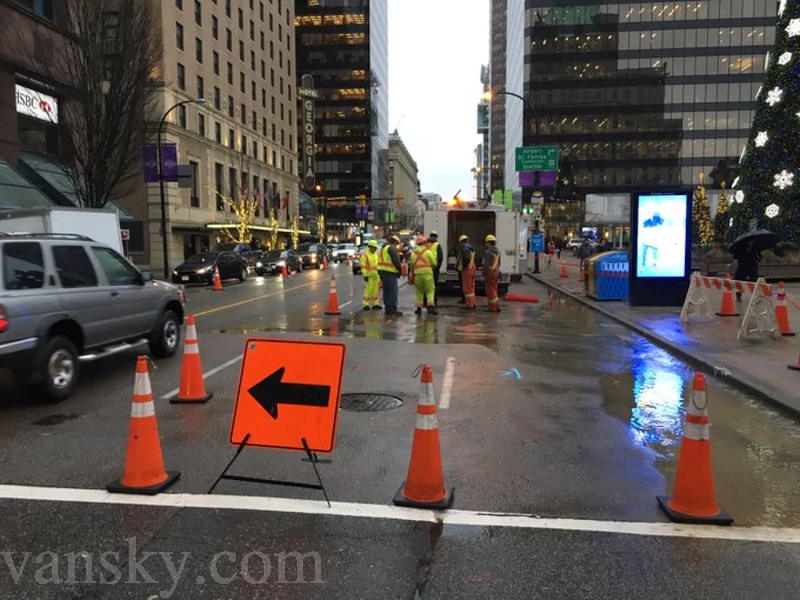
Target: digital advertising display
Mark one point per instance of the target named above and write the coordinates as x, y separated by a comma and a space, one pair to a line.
662, 221
660, 250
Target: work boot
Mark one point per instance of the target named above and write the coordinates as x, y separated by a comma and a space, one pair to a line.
432, 311
418, 311
367, 308
377, 307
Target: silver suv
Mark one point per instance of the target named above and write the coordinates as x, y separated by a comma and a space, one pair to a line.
66, 299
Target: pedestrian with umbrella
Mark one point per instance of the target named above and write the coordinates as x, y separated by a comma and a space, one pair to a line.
747, 249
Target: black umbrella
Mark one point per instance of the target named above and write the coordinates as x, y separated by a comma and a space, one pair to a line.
761, 238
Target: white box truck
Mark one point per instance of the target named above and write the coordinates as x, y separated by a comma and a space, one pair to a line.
468, 218
99, 225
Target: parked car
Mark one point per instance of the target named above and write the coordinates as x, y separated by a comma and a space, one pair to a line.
312, 255
343, 252
356, 262
272, 262
200, 268
66, 299
252, 257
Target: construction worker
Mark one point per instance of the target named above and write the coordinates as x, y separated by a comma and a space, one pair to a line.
389, 269
436, 248
421, 274
466, 271
491, 273
369, 265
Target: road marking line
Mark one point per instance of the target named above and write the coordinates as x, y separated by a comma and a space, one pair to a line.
386, 511
343, 304
447, 383
206, 375
256, 298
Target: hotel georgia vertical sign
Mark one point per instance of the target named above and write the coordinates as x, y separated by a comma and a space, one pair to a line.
307, 94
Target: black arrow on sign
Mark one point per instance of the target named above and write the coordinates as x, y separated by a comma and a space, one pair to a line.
271, 391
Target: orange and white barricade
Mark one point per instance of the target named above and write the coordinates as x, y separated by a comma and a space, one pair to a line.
760, 314
696, 303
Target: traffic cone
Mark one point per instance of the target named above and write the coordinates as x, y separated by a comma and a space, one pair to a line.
324, 262
564, 273
192, 389
284, 271
333, 299
404, 269
693, 499
424, 486
582, 275
726, 309
347, 259
144, 464
217, 280
781, 312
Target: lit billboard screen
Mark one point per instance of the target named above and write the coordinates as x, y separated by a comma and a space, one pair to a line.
661, 233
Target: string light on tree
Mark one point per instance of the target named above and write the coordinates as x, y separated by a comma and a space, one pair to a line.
785, 58
793, 28
781, 8
761, 139
784, 179
774, 96
772, 210
739, 196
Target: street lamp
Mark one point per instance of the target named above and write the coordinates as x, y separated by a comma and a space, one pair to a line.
487, 96
318, 189
164, 247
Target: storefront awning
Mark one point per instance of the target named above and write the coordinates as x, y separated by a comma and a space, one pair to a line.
17, 192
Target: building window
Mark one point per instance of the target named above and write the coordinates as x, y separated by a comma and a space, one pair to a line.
273, 132
290, 120
253, 94
200, 87
242, 86
261, 11
252, 31
281, 85
215, 60
289, 92
289, 67
281, 111
272, 51
263, 98
198, 13
264, 159
255, 121
230, 106
179, 36
219, 185
283, 137
280, 33
181, 77
243, 114
270, 23
198, 50
217, 132
182, 116
201, 124
291, 166
263, 46
194, 198
264, 126
252, 61
280, 58
273, 104
215, 27
228, 8
274, 158
230, 74
283, 162
178, 4
217, 98
232, 184
231, 139
263, 70
229, 40
241, 19
241, 50
291, 143
272, 77
244, 144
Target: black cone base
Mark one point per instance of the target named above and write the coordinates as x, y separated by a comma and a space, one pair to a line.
201, 400
728, 314
722, 518
400, 500
116, 487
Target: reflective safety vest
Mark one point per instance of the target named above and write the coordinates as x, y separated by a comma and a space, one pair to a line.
464, 252
434, 246
385, 261
422, 260
493, 254
369, 262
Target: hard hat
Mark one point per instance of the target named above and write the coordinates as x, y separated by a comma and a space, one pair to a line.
490, 238
433, 234
463, 238
422, 239
372, 244
395, 239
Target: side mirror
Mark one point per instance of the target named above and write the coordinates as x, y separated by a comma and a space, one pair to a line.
147, 276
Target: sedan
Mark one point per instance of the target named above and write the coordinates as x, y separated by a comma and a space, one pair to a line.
200, 268
272, 262
312, 255
356, 263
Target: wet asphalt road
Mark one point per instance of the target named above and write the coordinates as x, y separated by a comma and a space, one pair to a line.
554, 412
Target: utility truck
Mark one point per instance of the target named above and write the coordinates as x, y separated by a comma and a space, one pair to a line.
99, 225
470, 218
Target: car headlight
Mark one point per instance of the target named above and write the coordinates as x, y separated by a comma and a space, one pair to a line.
281, 263
203, 271
175, 273
259, 264
313, 255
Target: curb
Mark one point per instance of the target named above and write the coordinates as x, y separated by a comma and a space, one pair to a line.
783, 402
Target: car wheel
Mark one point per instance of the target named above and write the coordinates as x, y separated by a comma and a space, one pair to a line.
243, 274
166, 336
58, 371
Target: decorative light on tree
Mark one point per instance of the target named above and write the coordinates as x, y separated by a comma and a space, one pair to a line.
785, 58
739, 196
793, 28
781, 8
772, 210
774, 96
784, 179
761, 139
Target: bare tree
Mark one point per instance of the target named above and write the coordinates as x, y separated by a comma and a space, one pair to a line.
111, 55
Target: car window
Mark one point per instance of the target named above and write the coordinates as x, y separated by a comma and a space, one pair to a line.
118, 271
74, 268
285, 254
23, 266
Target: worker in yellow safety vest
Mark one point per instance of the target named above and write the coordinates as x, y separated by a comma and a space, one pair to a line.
436, 248
389, 267
369, 267
421, 275
491, 273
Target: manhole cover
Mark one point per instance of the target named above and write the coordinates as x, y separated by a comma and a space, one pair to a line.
369, 402
56, 419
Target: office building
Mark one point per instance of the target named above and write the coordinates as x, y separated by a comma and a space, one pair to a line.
344, 47
403, 184
643, 96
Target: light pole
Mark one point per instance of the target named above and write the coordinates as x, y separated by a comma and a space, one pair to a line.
164, 247
487, 96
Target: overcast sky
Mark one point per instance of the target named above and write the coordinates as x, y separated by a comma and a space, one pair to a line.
436, 49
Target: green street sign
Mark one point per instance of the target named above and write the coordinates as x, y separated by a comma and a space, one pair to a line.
537, 158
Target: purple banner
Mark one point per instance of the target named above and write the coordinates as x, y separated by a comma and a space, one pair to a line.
546, 178
169, 158
150, 163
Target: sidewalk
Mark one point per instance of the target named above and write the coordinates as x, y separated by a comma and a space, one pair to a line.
758, 365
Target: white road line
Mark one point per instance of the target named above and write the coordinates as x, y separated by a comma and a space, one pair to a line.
447, 383
206, 375
343, 304
395, 513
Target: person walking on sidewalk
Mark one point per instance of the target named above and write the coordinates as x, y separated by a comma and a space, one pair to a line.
747, 260
491, 273
369, 265
389, 269
421, 275
436, 248
466, 271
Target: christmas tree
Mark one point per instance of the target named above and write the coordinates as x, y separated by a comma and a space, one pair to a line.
702, 229
722, 217
768, 189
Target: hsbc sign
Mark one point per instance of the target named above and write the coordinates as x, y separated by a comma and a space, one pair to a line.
36, 104
307, 94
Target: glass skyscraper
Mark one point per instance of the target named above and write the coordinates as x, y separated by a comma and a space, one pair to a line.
645, 95
343, 45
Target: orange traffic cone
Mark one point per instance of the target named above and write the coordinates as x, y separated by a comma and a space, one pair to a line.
217, 280
404, 269
347, 259
144, 464
781, 312
582, 275
564, 273
424, 487
693, 499
192, 389
284, 271
333, 299
726, 309
324, 262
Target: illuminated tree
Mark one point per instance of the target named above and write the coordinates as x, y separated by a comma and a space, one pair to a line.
273, 230
321, 225
722, 217
767, 194
295, 231
243, 208
702, 229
